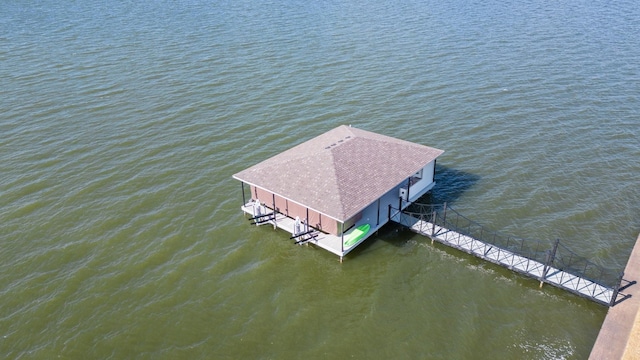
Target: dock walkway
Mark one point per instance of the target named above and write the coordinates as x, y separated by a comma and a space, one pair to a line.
544, 271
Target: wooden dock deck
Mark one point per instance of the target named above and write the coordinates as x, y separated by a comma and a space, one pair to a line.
329, 242
375, 216
537, 270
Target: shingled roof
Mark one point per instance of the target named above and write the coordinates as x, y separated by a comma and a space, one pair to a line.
340, 172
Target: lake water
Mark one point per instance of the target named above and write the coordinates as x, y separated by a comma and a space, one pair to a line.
121, 234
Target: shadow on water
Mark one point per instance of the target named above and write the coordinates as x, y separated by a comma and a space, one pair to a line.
389, 233
451, 184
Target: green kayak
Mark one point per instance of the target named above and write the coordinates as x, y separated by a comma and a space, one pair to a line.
356, 234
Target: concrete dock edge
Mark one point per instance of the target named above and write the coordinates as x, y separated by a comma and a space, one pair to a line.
619, 336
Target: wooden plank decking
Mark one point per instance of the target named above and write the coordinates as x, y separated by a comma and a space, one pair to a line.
508, 259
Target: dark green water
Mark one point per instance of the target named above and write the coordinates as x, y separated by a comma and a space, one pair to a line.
121, 124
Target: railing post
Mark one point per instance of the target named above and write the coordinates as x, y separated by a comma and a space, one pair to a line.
584, 271
444, 216
551, 254
568, 266
433, 223
595, 282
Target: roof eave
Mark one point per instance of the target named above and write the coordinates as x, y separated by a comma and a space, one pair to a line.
288, 199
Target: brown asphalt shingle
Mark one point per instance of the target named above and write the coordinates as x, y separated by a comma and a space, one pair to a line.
340, 172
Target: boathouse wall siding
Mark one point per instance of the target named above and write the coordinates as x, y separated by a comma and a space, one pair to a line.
292, 209
330, 225
351, 222
427, 178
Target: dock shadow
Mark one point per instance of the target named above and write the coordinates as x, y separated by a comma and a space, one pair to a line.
621, 296
627, 285
451, 184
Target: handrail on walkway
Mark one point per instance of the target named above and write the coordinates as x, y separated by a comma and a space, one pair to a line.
552, 255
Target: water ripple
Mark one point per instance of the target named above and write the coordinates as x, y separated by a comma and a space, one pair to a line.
121, 125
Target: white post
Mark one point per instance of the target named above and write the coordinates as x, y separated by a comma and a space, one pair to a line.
296, 226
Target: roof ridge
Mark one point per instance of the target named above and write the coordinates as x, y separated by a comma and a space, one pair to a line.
336, 181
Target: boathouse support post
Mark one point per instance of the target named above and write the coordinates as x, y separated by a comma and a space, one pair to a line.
551, 254
378, 217
244, 201
434, 170
273, 197
408, 190
341, 239
307, 225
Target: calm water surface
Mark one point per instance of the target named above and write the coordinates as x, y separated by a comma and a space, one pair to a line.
121, 125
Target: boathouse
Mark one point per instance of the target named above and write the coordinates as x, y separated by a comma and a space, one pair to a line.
336, 189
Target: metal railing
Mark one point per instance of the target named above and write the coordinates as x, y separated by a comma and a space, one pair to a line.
552, 254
